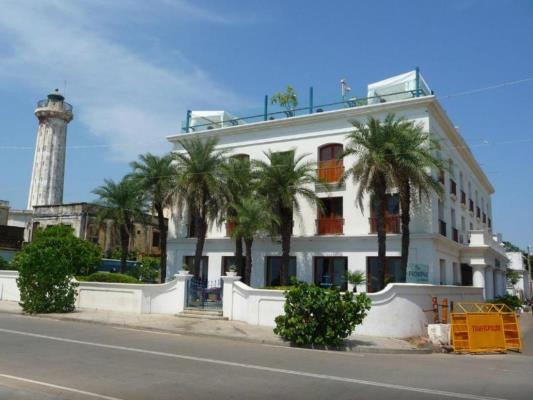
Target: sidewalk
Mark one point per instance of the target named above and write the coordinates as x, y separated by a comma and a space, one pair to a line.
233, 330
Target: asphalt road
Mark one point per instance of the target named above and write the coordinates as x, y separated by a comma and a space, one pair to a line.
47, 359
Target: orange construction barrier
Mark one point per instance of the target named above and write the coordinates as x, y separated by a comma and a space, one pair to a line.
484, 328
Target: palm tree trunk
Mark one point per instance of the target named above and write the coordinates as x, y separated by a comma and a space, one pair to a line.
163, 232
248, 263
286, 233
380, 195
201, 231
124, 247
405, 205
238, 256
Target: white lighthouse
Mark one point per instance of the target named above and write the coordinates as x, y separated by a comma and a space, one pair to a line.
48, 174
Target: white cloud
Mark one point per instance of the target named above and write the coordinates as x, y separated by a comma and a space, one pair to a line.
120, 96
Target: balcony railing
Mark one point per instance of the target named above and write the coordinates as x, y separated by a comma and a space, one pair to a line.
471, 205
61, 105
11, 237
442, 227
463, 197
392, 224
330, 171
330, 226
310, 109
453, 187
455, 235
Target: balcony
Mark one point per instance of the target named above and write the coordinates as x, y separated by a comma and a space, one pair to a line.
442, 227
453, 188
11, 237
471, 205
230, 226
455, 235
330, 171
463, 198
59, 105
330, 226
392, 224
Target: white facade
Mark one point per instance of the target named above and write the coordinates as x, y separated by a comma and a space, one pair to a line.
465, 253
522, 288
49, 162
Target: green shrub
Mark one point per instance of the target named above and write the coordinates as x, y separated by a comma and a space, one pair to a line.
316, 316
46, 268
512, 301
288, 287
110, 278
147, 270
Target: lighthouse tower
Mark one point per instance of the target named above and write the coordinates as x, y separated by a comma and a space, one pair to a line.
48, 174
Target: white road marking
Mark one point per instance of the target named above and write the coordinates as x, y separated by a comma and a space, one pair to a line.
63, 388
261, 367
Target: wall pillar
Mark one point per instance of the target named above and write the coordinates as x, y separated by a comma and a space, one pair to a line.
478, 277
489, 283
227, 295
498, 287
182, 286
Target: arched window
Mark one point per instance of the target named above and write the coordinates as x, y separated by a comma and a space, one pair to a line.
330, 165
241, 156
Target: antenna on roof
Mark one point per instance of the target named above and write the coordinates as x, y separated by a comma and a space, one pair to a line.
344, 88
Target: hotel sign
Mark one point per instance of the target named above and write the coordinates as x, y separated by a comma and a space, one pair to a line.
417, 273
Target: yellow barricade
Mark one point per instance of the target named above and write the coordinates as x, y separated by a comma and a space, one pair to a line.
484, 327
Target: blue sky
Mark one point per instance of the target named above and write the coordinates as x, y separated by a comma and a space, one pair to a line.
132, 68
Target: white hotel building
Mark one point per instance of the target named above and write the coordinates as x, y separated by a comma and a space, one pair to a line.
451, 238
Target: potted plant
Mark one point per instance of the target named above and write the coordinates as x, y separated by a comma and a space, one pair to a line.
184, 270
287, 100
232, 271
355, 278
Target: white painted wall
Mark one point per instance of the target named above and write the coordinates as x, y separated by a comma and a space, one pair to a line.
400, 310
9, 290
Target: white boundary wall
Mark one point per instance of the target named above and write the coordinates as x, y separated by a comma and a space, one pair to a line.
166, 298
397, 311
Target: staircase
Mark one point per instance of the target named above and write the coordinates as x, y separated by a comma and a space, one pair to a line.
201, 313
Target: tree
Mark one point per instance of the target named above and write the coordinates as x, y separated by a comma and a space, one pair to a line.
124, 203
200, 184
513, 276
284, 180
48, 264
412, 162
287, 100
253, 216
156, 177
373, 148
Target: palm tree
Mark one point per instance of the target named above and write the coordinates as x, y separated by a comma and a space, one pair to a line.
240, 181
412, 163
374, 149
124, 203
201, 185
253, 217
284, 180
155, 176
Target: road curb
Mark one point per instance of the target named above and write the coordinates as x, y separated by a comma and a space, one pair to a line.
342, 349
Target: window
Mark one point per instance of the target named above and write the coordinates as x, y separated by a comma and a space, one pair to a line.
330, 221
330, 165
191, 226
273, 270
156, 239
241, 156
443, 272
227, 261
393, 273
331, 272
202, 272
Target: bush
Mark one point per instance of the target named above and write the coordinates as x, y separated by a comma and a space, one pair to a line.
109, 277
512, 301
316, 316
46, 268
147, 270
